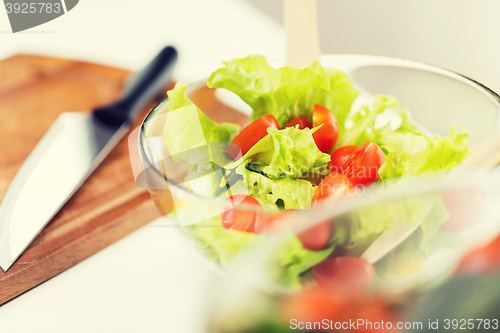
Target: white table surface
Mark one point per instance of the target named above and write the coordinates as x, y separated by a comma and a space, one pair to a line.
145, 282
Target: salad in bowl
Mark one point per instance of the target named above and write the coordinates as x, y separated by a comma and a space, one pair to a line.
239, 307
308, 149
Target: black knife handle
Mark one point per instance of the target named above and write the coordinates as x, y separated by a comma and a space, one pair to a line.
143, 87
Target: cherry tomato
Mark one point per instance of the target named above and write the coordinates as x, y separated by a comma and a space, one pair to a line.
466, 207
243, 220
340, 156
301, 121
313, 238
327, 135
485, 259
374, 310
316, 237
362, 167
330, 188
313, 305
344, 277
250, 135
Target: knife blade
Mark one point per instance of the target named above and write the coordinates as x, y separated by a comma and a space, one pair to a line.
66, 156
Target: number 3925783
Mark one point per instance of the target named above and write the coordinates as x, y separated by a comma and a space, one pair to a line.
33, 8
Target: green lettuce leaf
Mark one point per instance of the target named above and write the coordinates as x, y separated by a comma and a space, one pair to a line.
286, 192
219, 244
358, 229
338, 99
427, 240
268, 90
444, 154
204, 178
364, 120
188, 131
290, 260
414, 155
407, 124
289, 152
286, 263
409, 153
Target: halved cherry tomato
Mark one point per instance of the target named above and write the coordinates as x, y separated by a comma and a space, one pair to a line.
375, 310
327, 135
340, 156
250, 135
243, 220
316, 237
344, 277
314, 304
330, 188
301, 121
362, 167
485, 259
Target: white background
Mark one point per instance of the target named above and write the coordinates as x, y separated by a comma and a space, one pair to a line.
147, 282
461, 35
128, 32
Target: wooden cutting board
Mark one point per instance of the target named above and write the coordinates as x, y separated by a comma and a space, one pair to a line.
34, 90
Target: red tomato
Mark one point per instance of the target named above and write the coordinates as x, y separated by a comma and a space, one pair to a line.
243, 220
301, 121
482, 260
362, 167
327, 135
315, 238
250, 135
331, 187
313, 305
345, 277
340, 156
374, 310
466, 207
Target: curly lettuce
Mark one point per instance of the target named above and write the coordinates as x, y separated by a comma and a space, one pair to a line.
286, 263
286, 193
415, 154
364, 121
428, 239
271, 170
286, 153
286, 92
188, 132
338, 99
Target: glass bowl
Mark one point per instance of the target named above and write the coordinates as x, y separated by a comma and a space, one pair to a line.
437, 99
239, 307
425, 258
452, 284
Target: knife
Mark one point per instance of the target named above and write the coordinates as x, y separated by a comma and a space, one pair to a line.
66, 156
